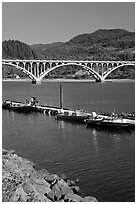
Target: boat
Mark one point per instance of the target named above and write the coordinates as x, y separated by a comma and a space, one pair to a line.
112, 121
17, 106
26, 107
73, 115
128, 115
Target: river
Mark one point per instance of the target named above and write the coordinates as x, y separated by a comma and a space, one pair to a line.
102, 160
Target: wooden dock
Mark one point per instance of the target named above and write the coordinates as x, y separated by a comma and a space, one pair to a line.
23, 107
50, 110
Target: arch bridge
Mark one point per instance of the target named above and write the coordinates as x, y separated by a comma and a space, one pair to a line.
38, 69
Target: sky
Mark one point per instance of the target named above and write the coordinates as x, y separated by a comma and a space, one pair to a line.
49, 22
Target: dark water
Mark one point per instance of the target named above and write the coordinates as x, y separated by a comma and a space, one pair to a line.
104, 161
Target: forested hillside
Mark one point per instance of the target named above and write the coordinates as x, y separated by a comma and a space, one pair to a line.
113, 44
14, 49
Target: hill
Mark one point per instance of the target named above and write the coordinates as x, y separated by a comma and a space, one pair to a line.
113, 44
14, 49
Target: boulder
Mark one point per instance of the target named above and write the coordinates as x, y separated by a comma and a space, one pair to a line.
41, 198
21, 183
71, 182
40, 185
28, 188
9, 165
73, 198
11, 151
63, 176
42, 189
75, 189
89, 199
19, 195
54, 195
41, 173
4, 151
50, 178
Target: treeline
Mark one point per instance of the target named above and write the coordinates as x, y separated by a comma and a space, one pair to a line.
14, 49
113, 44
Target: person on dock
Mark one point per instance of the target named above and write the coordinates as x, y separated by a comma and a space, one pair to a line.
33, 101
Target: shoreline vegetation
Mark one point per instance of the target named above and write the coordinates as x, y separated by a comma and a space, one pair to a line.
70, 80
22, 183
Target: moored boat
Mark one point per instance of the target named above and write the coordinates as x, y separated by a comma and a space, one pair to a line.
71, 115
112, 121
27, 107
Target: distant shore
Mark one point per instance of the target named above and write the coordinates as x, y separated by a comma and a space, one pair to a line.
69, 80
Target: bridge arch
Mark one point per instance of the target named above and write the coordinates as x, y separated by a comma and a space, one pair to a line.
31, 76
114, 68
95, 74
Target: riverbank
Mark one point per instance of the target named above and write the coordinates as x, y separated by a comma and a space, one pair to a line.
70, 80
22, 183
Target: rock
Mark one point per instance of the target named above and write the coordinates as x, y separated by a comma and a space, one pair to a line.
77, 180
63, 176
71, 183
89, 199
41, 173
40, 185
19, 195
39, 181
32, 164
8, 188
54, 195
75, 189
11, 151
59, 190
28, 188
41, 198
50, 178
73, 198
22, 183
4, 151
9, 165
42, 189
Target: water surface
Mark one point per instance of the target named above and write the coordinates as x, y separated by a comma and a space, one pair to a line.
103, 160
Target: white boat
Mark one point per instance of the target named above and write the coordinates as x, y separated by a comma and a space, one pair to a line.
112, 121
73, 115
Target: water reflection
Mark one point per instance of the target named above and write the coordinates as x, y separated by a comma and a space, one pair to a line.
95, 141
61, 125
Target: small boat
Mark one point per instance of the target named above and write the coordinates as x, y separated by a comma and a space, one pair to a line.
128, 115
19, 106
73, 115
112, 121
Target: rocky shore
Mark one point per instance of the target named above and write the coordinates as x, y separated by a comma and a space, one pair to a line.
22, 183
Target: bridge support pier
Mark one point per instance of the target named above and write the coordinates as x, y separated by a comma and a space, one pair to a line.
98, 80
102, 80
36, 82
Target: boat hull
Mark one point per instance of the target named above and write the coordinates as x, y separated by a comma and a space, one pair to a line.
109, 124
25, 109
72, 118
18, 107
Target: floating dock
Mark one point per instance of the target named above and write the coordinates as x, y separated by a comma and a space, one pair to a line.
23, 107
